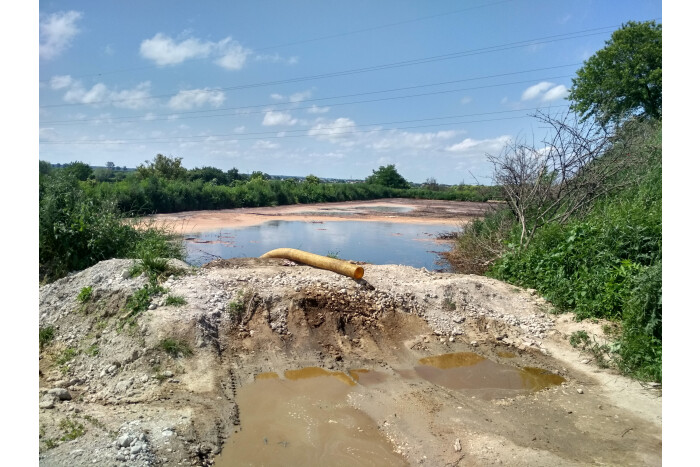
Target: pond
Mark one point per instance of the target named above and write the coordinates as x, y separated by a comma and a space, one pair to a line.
372, 242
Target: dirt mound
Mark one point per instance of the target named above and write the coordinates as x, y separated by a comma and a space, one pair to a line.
165, 389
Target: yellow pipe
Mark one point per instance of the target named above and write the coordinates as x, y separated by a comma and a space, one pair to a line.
341, 267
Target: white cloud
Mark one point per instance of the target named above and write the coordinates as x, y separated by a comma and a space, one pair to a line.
78, 94
264, 144
233, 54
163, 50
61, 82
277, 97
466, 100
56, 33
404, 140
338, 130
276, 58
536, 90
196, 98
134, 98
299, 96
318, 110
557, 92
479, 147
48, 134
278, 118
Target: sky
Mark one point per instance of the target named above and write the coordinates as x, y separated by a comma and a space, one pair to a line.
334, 89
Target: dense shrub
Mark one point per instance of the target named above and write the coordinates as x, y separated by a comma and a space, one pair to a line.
77, 230
605, 263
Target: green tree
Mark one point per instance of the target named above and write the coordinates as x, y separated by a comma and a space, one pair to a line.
623, 78
162, 167
312, 179
208, 174
45, 168
79, 170
387, 176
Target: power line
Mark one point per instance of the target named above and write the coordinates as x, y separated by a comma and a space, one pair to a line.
290, 105
315, 39
340, 104
304, 131
449, 56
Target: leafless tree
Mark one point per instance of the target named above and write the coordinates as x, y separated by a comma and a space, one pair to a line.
561, 176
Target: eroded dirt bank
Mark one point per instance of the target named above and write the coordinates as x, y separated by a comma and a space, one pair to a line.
138, 405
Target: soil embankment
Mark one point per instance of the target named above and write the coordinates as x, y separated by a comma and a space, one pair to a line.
124, 400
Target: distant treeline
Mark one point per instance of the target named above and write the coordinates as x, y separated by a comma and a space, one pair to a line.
164, 186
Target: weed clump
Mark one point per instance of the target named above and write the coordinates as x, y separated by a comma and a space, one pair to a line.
71, 429
175, 300
175, 347
85, 294
46, 335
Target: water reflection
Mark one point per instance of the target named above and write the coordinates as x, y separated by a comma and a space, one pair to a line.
372, 242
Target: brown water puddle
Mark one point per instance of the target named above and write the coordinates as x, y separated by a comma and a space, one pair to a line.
466, 370
368, 377
304, 420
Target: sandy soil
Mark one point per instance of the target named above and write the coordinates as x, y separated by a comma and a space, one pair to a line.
141, 406
424, 212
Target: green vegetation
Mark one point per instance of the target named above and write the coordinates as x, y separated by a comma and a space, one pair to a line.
77, 230
46, 335
85, 294
584, 228
387, 176
333, 254
175, 300
139, 302
623, 78
603, 262
175, 347
71, 429
67, 355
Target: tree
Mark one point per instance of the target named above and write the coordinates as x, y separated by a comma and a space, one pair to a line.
110, 165
162, 167
45, 168
208, 174
79, 170
387, 176
623, 78
564, 175
312, 179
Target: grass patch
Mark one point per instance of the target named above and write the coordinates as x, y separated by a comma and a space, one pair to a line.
50, 443
85, 294
333, 254
139, 302
175, 347
93, 350
236, 307
67, 355
71, 429
46, 335
175, 300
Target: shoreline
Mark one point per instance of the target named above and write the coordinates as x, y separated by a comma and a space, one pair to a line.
422, 212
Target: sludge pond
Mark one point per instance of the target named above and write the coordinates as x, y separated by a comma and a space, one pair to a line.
374, 242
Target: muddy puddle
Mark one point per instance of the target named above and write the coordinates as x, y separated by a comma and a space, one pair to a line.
305, 418
483, 377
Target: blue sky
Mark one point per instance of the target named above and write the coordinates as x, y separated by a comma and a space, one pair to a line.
330, 88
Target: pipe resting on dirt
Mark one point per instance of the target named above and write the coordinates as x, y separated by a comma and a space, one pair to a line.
341, 267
